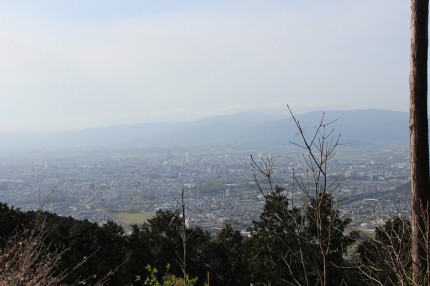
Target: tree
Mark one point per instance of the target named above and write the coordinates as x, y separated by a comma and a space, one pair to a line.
385, 259
162, 236
138, 255
302, 245
226, 258
30, 257
26, 260
325, 226
418, 125
325, 230
275, 251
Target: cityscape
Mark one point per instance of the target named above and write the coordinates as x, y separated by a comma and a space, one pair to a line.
128, 187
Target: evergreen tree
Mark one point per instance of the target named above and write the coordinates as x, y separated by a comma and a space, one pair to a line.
274, 246
285, 247
226, 258
162, 235
325, 233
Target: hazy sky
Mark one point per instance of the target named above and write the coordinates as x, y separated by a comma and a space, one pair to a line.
74, 64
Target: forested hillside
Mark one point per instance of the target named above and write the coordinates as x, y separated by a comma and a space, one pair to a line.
283, 248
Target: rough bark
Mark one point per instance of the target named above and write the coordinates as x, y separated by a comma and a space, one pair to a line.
418, 125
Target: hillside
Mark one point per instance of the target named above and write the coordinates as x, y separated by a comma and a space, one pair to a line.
370, 126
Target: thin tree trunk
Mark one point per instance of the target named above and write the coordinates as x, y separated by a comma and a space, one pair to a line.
418, 125
184, 239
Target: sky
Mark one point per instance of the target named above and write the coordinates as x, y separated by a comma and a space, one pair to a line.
71, 65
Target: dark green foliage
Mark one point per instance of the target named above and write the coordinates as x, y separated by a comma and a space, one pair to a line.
197, 254
387, 257
108, 249
272, 248
329, 237
160, 236
11, 220
287, 248
284, 248
101, 247
226, 257
138, 255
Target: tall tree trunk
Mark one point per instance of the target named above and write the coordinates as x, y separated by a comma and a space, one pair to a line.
184, 239
418, 125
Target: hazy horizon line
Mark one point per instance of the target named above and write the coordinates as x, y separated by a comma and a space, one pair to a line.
278, 114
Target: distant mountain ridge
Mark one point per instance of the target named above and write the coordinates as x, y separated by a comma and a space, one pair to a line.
369, 126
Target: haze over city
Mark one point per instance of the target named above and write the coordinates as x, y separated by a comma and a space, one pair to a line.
72, 65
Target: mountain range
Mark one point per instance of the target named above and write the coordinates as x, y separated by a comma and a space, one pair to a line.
369, 126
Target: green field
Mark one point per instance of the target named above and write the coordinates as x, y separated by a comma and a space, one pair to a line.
133, 218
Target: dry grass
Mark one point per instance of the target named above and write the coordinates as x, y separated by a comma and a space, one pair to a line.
133, 218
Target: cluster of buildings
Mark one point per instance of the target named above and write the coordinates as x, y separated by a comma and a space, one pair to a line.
218, 184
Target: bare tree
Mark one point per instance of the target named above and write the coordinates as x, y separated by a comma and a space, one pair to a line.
28, 259
318, 151
312, 249
184, 238
25, 260
386, 258
418, 125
